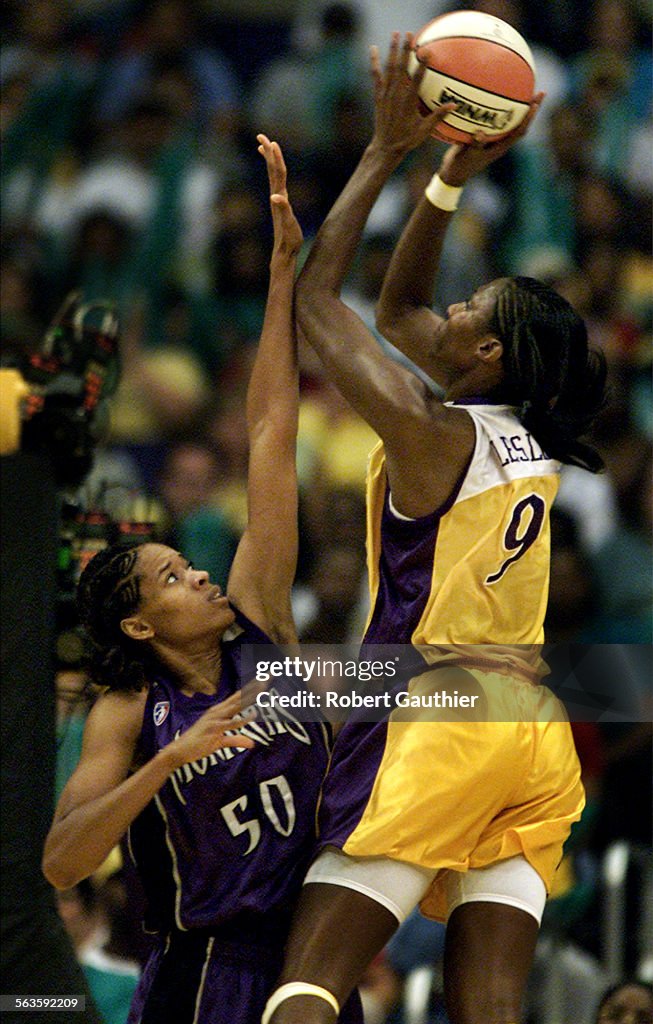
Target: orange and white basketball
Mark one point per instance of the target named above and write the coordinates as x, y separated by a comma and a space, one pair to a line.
479, 62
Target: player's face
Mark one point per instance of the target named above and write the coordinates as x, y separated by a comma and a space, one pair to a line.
465, 328
630, 1004
178, 605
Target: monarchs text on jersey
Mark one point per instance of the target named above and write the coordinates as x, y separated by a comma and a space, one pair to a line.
475, 570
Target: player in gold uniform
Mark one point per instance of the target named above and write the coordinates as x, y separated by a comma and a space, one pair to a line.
465, 815
494, 531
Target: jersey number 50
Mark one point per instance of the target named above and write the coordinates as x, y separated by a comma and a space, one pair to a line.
252, 826
522, 531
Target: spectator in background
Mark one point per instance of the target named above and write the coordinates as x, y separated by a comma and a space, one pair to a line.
339, 69
538, 233
334, 441
317, 97
613, 520
240, 262
639, 166
572, 907
626, 797
364, 285
332, 522
196, 525
98, 25
90, 920
604, 212
226, 430
337, 158
629, 1002
280, 100
611, 287
101, 258
143, 179
299, 95
593, 506
188, 320
337, 588
166, 34
622, 564
21, 316
203, 158
46, 83
573, 600
162, 391
611, 79
73, 704
41, 41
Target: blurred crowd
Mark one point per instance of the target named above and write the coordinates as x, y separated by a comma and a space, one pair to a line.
130, 171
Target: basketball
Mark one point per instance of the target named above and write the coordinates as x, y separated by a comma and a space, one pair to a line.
479, 62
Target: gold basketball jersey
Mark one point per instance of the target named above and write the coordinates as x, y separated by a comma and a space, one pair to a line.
475, 571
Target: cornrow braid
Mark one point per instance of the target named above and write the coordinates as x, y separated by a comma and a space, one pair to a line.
556, 381
109, 591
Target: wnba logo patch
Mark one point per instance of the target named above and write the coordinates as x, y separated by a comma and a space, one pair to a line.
160, 712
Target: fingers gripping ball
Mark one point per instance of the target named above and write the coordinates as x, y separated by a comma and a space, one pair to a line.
479, 62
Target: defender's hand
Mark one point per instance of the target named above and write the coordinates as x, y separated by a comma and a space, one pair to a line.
210, 732
288, 236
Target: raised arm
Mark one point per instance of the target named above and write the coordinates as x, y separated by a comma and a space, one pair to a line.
404, 315
384, 393
264, 565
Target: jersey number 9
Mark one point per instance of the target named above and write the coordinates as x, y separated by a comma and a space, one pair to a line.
522, 531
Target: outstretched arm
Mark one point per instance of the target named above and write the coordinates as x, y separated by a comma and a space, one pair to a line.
379, 389
404, 314
264, 565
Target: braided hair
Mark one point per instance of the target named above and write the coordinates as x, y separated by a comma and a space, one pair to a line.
109, 591
556, 381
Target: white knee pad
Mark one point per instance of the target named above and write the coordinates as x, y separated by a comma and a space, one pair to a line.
512, 881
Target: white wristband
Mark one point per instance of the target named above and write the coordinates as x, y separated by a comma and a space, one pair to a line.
441, 195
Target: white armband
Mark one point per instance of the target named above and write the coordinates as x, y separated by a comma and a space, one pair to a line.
441, 195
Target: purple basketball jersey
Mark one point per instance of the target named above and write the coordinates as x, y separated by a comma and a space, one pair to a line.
233, 833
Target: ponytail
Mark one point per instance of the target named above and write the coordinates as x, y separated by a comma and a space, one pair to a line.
109, 591
556, 382
120, 667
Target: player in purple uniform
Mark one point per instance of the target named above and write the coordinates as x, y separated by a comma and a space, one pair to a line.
220, 807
